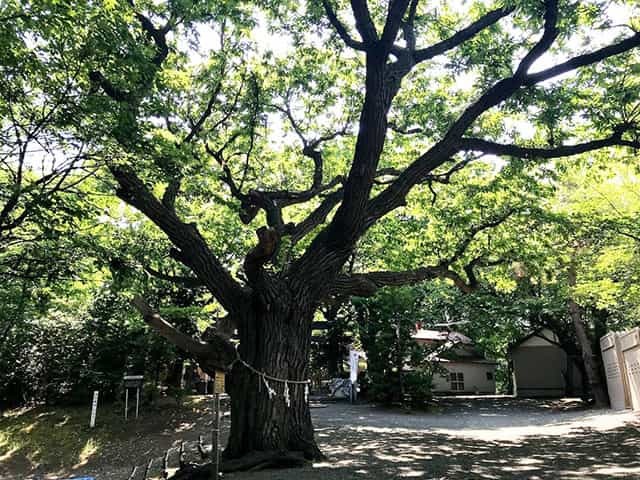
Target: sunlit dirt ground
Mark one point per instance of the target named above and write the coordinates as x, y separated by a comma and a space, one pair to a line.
475, 439
463, 438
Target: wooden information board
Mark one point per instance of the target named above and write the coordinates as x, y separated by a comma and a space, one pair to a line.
218, 382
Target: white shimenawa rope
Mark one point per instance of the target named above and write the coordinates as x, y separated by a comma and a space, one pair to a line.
263, 378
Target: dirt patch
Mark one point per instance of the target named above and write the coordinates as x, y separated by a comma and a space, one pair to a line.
57, 443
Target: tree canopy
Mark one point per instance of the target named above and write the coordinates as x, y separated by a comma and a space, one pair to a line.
366, 144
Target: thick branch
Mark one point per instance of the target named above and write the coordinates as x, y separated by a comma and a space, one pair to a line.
159, 36
463, 35
494, 148
171, 193
317, 216
340, 28
217, 354
192, 248
584, 60
267, 248
109, 88
397, 9
367, 284
364, 23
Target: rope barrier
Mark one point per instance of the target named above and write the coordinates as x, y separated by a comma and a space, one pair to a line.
264, 378
273, 379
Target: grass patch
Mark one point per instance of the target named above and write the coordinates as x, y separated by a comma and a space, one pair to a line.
55, 439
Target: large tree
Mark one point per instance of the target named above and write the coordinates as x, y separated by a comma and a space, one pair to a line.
388, 99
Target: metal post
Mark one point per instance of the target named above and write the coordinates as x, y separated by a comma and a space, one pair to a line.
126, 402
215, 450
137, 400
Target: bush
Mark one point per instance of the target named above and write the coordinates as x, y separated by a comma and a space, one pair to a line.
59, 359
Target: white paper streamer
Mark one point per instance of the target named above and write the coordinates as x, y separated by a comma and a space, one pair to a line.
287, 398
270, 391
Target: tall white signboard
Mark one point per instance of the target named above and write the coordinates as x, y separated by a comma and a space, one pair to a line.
94, 409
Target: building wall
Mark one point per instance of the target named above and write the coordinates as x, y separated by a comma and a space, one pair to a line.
543, 371
474, 378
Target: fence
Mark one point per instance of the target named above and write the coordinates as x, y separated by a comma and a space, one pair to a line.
630, 345
621, 359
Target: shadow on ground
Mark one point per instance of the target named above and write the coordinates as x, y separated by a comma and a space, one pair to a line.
365, 452
372, 443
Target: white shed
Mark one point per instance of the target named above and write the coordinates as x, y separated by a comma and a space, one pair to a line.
467, 370
541, 368
472, 376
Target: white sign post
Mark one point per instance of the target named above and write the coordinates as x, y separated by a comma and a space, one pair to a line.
94, 409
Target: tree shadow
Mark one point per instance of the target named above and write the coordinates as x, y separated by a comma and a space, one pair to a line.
459, 443
585, 453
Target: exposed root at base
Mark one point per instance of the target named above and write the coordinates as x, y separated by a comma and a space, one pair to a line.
250, 462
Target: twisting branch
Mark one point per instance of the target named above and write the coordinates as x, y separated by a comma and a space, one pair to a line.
475, 230
273, 201
310, 150
367, 284
159, 37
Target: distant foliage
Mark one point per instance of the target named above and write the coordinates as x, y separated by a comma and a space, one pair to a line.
398, 371
60, 359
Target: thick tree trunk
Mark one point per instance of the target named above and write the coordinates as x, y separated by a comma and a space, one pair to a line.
600, 396
275, 340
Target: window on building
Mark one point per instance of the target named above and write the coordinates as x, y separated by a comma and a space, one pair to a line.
457, 381
489, 375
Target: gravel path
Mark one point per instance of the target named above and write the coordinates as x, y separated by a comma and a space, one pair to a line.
472, 438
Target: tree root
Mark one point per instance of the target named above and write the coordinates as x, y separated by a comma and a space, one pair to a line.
250, 462
261, 460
